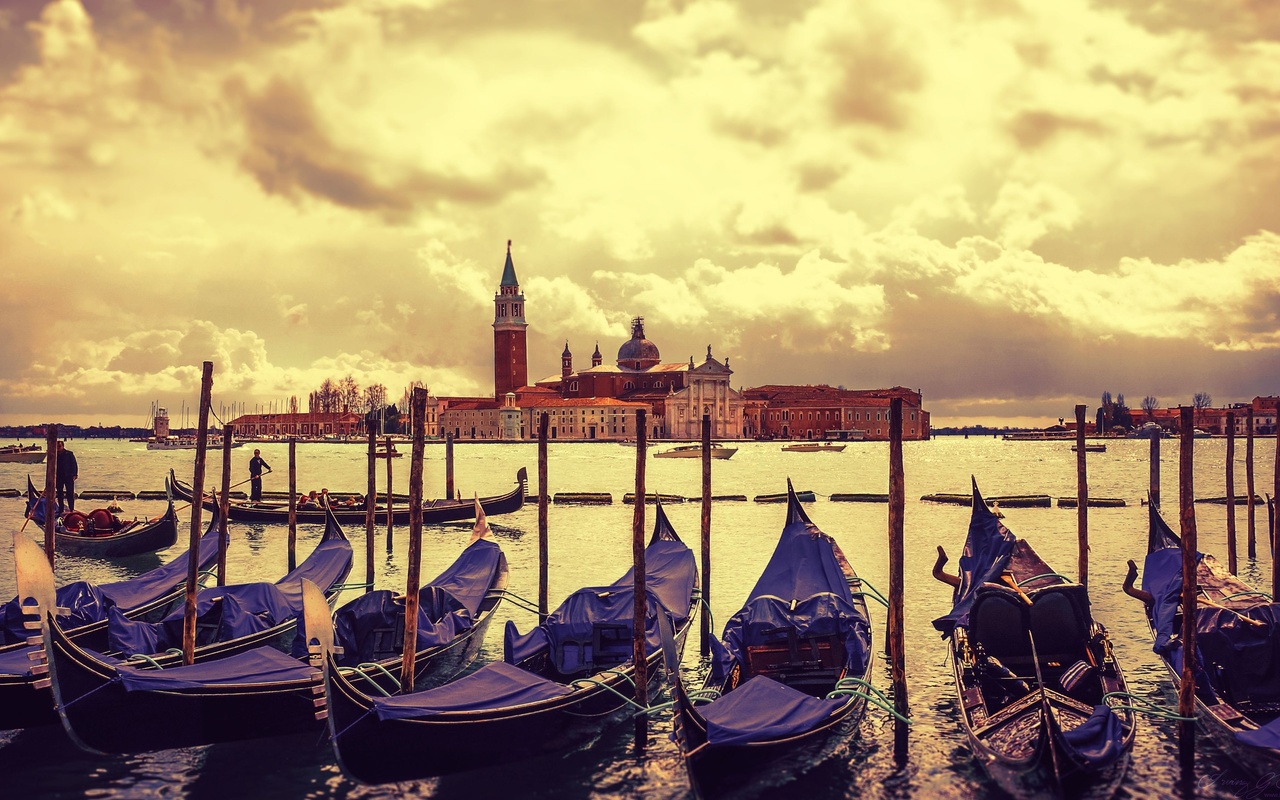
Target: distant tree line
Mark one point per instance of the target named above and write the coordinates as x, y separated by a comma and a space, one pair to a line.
1114, 411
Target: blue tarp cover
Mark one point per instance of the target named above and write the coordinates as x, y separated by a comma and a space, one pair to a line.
367, 628
1268, 736
1162, 577
495, 685
1099, 741
986, 551
804, 589
263, 665
763, 709
569, 632
163, 579
15, 662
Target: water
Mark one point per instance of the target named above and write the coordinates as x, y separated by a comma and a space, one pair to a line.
592, 545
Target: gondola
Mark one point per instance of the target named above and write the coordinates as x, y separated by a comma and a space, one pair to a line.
1040, 693
25, 697
113, 538
788, 678
255, 624
433, 511
555, 687
1237, 641
265, 692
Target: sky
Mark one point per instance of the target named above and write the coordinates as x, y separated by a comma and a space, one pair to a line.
1010, 206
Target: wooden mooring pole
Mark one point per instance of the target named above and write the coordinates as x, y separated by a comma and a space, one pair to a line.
1082, 502
224, 502
418, 404
543, 514
639, 651
1231, 492
1154, 484
707, 633
390, 498
197, 505
1187, 515
1252, 541
896, 623
293, 503
370, 503
50, 490
448, 466
1274, 517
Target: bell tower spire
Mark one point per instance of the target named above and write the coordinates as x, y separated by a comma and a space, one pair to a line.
510, 353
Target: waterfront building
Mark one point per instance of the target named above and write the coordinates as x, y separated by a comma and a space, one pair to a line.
829, 412
305, 424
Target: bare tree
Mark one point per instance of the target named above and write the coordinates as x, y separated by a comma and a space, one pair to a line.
1149, 405
348, 394
1200, 401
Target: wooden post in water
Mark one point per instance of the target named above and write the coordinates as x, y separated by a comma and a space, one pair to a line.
390, 498
448, 466
50, 489
543, 550
1154, 489
639, 651
418, 404
1231, 492
1082, 501
370, 502
224, 503
1275, 517
1186, 502
293, 503
1252, 551
197, 505
707, 633
897, 643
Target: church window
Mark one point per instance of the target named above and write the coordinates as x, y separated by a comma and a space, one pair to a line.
657, 384
628, 386
573, 386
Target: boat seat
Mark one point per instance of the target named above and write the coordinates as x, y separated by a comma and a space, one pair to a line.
809, 663
998, 623
1060, 624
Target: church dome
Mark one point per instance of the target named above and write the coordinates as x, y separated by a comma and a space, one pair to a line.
638, 352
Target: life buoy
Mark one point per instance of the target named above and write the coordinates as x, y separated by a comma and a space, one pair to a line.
74, 521
101, 520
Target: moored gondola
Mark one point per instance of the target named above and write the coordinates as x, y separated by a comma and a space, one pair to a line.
1041, 696
113, 537
555, 687
253, 623
25, 697
1237, 694
789, 678
433, 511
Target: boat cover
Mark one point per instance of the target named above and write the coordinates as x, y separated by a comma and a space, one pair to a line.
261, 665
570, 634
762, 710
495, 685
246, 609
87, 602
802, 588
986, 552
1267, 737
15, 662
1098, 741
1162, 577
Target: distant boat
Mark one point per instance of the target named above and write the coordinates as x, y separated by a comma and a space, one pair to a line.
18, 454
1091, 448
695, 451
1037, 436
814, 447
185, 443
1147, 431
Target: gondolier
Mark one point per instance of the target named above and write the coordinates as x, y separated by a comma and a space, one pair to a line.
256, 465
68, 471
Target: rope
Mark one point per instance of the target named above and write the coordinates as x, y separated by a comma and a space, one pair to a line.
1145, 707
874, 696
356, 722
145, 659
341, 587
516, 600
580, 682
1043, 575
360, 671
879, 595
1246, 594
94, 690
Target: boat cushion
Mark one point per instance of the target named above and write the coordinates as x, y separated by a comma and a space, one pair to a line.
495, 685
998, 622
1060, 623
1098, 741
763, 709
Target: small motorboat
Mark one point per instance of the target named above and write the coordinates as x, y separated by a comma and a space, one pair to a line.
695, 451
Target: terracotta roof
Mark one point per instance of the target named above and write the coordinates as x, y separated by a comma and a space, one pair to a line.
580, 402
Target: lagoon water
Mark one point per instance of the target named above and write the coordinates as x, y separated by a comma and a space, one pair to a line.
591, 545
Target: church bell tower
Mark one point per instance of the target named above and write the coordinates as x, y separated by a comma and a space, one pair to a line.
510, 353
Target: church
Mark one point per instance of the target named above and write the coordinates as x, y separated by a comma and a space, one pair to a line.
595, 403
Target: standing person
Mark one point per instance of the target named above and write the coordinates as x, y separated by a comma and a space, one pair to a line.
68, 471
256, 465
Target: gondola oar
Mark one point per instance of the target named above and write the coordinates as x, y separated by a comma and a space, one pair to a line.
210, 494
1046, 709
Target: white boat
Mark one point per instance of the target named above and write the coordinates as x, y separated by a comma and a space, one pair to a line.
18, 454
813, 447
185, 443
695, 451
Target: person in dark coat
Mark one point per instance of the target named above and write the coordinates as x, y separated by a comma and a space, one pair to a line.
68, 471
256, 465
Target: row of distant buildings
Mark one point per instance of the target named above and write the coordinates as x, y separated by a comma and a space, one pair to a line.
1214, 420
600, 401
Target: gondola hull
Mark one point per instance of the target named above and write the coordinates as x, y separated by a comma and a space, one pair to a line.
137, 538
373, 751
433, 511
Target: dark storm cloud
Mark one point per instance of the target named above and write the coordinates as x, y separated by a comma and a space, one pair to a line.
1032, 129
288, 150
